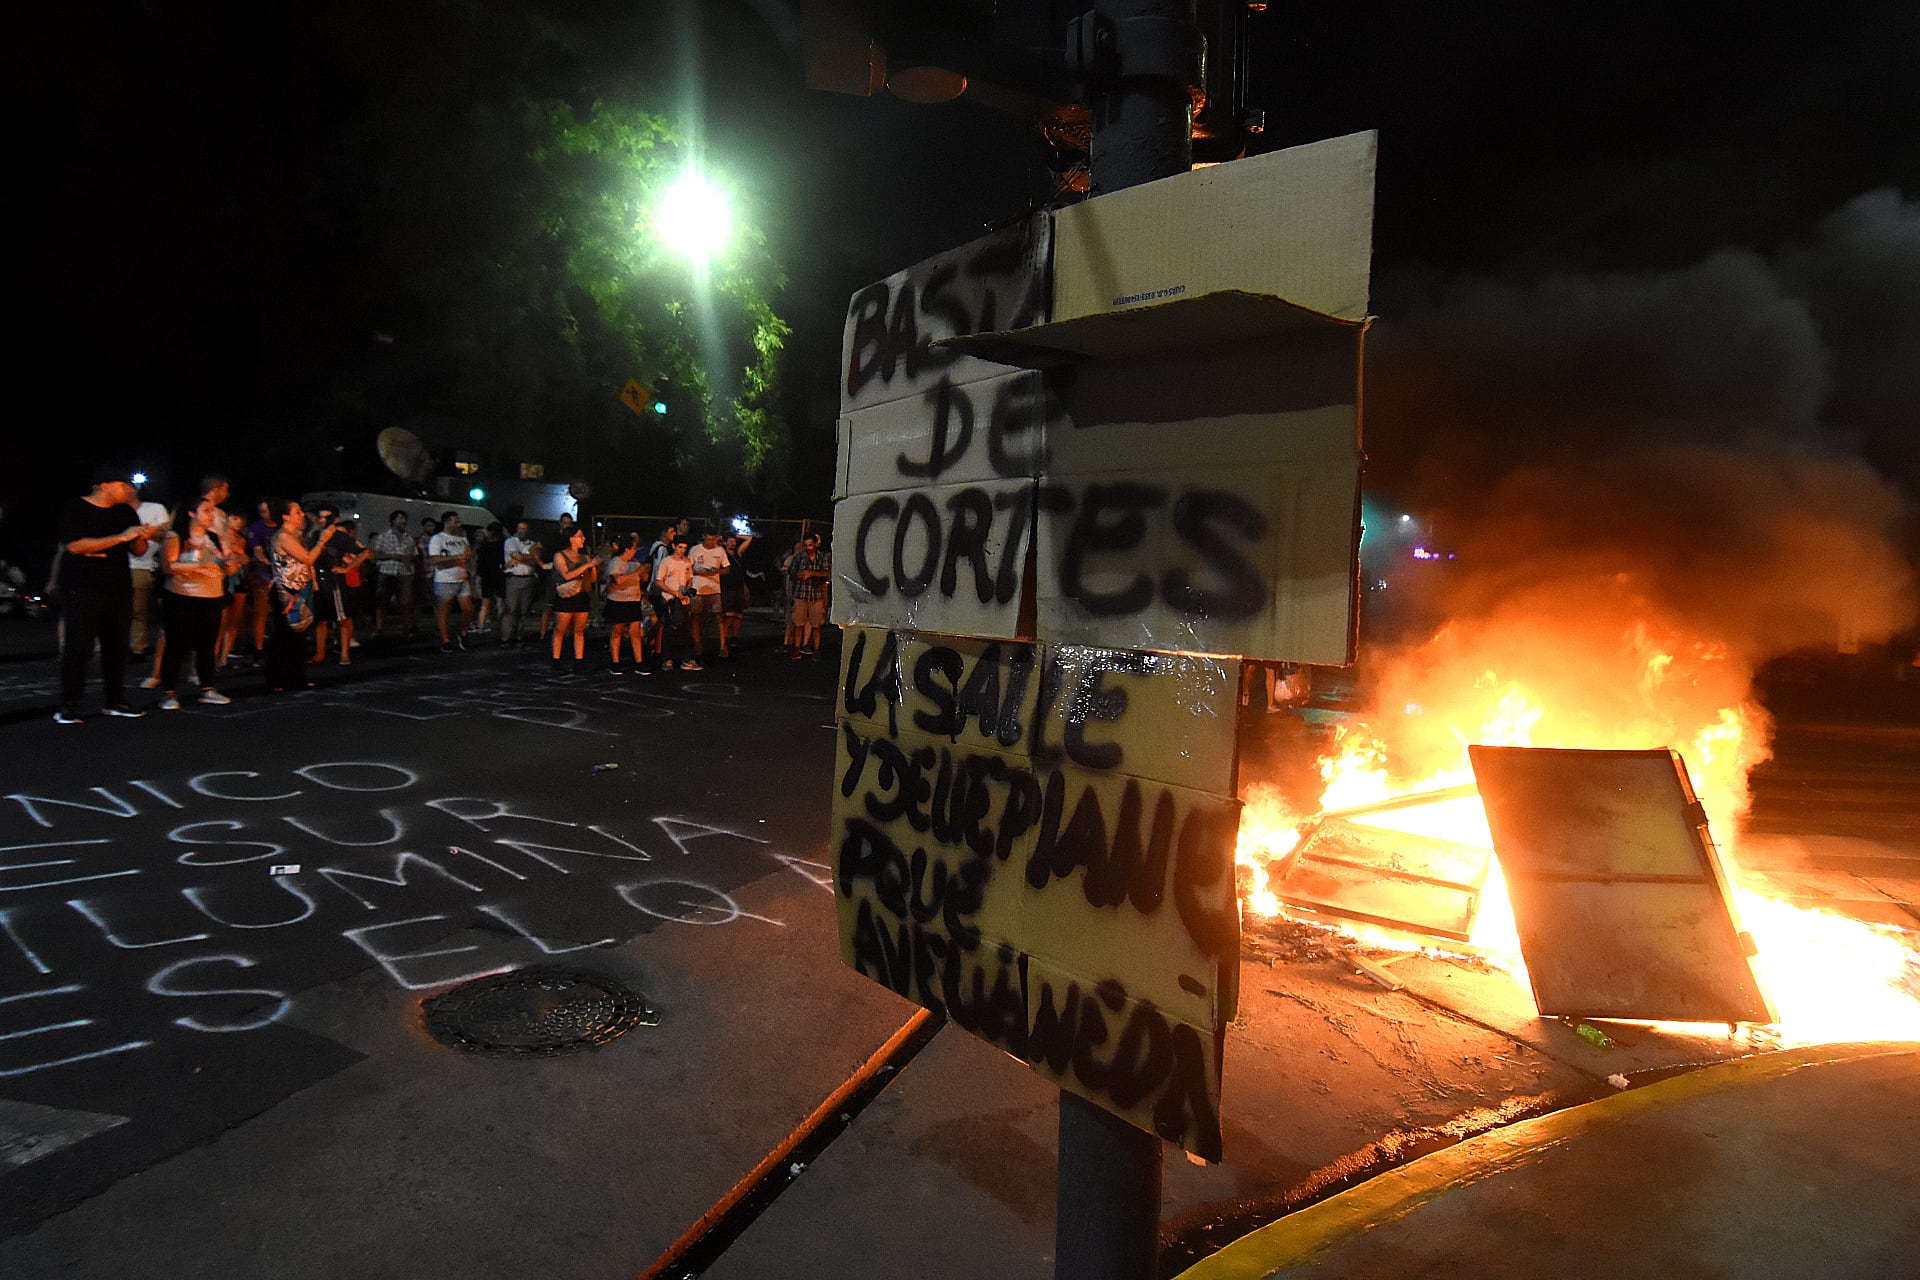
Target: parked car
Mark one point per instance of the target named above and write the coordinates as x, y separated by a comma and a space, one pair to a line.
15, 600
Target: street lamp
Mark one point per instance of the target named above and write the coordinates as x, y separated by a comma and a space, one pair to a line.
694, 218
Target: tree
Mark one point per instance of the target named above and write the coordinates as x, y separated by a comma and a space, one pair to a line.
713, 333
503, 238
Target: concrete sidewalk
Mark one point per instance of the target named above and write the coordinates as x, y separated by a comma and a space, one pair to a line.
1794, 1164
951, 1171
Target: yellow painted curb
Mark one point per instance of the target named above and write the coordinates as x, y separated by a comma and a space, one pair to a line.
1301, 1237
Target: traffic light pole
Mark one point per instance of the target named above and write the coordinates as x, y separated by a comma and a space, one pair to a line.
1139, 59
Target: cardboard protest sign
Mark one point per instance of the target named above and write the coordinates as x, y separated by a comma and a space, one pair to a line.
939, 448
1208, 502
1180, 474
999, 859
890, 344
1080, 460
1296, 224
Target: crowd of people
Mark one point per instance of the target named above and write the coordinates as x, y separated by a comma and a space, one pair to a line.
292, 587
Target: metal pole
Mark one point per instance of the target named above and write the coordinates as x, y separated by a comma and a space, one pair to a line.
1107, 1194
1107, 1201
1142, 123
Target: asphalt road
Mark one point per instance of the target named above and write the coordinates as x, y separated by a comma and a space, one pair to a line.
203, 1062
170, 886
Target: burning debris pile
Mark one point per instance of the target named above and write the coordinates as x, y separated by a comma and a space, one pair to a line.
1639, 507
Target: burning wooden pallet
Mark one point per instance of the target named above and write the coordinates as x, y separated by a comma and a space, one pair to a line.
1621, 904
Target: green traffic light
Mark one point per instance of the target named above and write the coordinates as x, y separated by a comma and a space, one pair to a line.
477, 494
659, 406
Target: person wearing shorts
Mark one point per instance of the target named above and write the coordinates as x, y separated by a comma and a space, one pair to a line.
628, 573
574, 571
709, 561
451, 556
811, 575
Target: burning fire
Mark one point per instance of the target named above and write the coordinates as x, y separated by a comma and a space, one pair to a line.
1515, 683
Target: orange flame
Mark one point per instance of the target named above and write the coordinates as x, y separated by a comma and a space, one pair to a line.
1642, 683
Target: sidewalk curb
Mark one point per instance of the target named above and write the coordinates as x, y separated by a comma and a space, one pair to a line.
1301, 1237
900, 1048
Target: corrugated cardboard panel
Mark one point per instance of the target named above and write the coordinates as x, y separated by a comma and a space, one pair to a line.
1136, 885
1297, 224
1156, 716
1083, 921
1159, 1073
1229, 317
978, 695
1249, 560
888, 342
992, 429
1618, 894
945, 558
1207, 501
1164, 718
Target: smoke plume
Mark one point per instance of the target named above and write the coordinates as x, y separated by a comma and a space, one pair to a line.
1652, 483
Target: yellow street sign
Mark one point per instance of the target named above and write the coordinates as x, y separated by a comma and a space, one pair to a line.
636, 397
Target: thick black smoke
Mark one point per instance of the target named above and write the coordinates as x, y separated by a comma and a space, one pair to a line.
1733, 435
1650, 484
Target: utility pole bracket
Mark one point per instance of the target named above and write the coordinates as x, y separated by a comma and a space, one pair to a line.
1104, 51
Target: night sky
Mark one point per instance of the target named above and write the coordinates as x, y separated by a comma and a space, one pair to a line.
205, 264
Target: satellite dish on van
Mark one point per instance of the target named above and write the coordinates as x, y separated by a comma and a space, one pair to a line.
404, 455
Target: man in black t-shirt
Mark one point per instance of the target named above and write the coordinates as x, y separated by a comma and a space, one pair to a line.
96, 534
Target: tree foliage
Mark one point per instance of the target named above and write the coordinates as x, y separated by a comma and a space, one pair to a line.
506, 237
713, 333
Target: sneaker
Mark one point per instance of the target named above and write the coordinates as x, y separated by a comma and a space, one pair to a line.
643, 671
151, 682
667, 665
169, 703
447, 648
121, 711
214, 698
691, 665
64, 716
461, 641
796, 656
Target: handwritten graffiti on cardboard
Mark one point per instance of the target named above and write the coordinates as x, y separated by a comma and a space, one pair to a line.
1200, 501
1037, 841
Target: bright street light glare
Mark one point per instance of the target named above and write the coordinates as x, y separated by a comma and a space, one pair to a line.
693, 218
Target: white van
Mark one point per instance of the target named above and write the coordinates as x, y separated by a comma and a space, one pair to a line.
371, 511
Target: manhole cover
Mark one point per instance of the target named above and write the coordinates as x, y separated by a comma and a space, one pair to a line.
538, 1010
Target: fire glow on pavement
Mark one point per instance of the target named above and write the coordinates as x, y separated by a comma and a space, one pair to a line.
1830, 977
